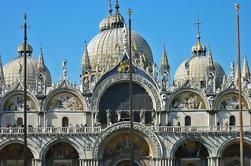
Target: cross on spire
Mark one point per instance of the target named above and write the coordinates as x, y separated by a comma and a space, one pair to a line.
198, 23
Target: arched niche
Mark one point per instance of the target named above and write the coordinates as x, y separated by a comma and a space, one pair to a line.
230, 101
15, 102
231, 154
187, 100
140, 130
191, 152
119, 142
124, 77
61, 153
64, 101
116, 99
13, 154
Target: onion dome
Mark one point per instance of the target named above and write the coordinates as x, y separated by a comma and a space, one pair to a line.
106, 22
107, 45
14, 69
199, 48
117, 19
29, 48
198, 65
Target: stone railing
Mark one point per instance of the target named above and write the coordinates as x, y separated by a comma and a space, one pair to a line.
96, 130
199, 129
50, 130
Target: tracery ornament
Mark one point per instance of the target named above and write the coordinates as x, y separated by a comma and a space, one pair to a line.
230, 101
125, 125
65, 101
188, 100
16, 103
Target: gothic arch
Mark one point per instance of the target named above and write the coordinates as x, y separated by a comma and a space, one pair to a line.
76, 145
31, 145
19, 92
151, 138
188, 90
117, 78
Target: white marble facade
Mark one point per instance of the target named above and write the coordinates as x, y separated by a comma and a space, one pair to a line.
192, 122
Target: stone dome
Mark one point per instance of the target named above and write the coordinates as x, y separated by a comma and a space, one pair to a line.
197, 71
13, 71
108, 44
198, 65
105, 23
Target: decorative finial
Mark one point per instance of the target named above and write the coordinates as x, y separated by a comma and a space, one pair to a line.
117, 5
110, 7
129, 12
25, 17
197, 22
237, 7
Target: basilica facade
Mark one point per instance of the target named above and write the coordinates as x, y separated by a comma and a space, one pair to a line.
193, 121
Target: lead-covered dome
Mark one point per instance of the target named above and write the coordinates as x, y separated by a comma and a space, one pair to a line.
197, 71
14, 69
197, 66
108, 43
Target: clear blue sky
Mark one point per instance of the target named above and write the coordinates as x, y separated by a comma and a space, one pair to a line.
63, 26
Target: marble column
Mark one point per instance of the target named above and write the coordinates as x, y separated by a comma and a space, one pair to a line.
170, 161
37, 162
215, 161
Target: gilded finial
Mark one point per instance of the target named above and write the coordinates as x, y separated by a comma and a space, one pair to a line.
237, 7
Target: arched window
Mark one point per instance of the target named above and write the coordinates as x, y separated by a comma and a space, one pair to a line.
187, 121
232, 120
65, 122
19, 122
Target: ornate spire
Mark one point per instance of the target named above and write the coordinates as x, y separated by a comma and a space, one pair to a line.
1, 70
231, 72
110, 7
210, 64
245, 68
164, 61
40, 64
86, 61
236, 72
64, 67
224, 81
117, 6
